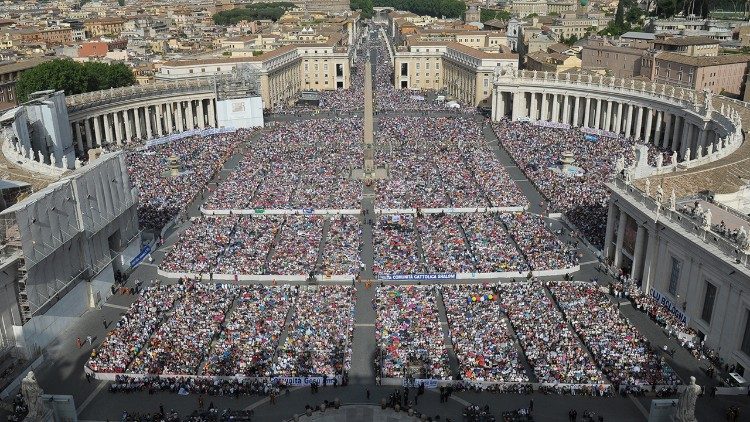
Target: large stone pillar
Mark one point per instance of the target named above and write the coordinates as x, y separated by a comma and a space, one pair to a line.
658, 130
702, 140
649, 122
158, 115
533, 116
667, 136
649, 261
610, 233
629, 122
598, 113
89, 136
201, 115
618, 120
138, 127
566, 109
79, 138
638, 124
107, 129
555, 108
98, 130
687, 135
620, 238
640, 239
576, 110
128, 126
118, 128
608, 116
190, 115
677, 132
147, 120
545, 108
587, 113
212, 110
515, 112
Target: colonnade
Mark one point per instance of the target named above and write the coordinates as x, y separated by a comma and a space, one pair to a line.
675, 130
644, 250
146, 121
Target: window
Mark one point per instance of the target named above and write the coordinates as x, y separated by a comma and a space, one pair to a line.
674, 276
708, 302
417, 66
746, 338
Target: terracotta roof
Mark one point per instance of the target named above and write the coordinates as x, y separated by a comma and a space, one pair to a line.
479, 53
227, 60
703, 61
22, 65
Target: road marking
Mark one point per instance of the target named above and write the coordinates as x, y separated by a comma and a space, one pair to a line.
102, 385
520, 180
639, 406
364, 325
112, 305
593, 261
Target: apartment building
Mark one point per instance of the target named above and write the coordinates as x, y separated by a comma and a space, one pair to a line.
690, 46
719, 74
618, 58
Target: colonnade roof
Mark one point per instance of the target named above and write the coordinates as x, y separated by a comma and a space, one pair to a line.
726, 175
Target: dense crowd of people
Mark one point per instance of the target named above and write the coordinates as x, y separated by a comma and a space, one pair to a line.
582, 197
484, 346
319, 337
466, 243
249, 337
441, 162
300, 165
619, 349
266, 244
408, 333
161, 195
552, 349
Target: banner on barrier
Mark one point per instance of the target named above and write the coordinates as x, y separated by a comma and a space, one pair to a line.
141, 256
302, 381
665, 302
437, 276
188, 133
416, 382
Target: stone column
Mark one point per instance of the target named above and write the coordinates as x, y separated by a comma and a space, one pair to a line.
620, 238
89, 136
598, 113
212, 111
555, 108
147, 121
629, 121
576, 110
158, 115
649, 122
107, 129
138, 127
515, 112
610, 233
78, 137
638, 124
608, 116
618, 120
545, 108
587, 113
190, 115
676, 132
98, 130
128, 126
640, 239
201, 115
666, 138
649, 261
658, 130
702, 140
687, 129
118, 128
566, 109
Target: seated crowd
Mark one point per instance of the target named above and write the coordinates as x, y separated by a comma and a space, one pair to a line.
408, 333
441, 162
319, 335
583, 198
264, 244
299, 165
553, 350
618, 348
542, 249
484, 345
163, 196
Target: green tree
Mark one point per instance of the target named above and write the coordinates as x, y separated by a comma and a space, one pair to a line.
73, 77
252, 12
437, 8
619, 15
364, 5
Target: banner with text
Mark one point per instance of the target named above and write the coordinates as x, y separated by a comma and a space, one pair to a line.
665, 302
438, 276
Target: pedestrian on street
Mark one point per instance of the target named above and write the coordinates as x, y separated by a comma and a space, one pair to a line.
367, 393
78, 342
104, 323
89, 339
531, 405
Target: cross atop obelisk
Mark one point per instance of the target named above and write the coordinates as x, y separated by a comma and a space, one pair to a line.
368, 170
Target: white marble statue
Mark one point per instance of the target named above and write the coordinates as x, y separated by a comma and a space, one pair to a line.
699, 153
648, 187
32, 395
674, 158
51, 159
686, 404
673, 201
686, 157
659, 194
707, 219
77, 163
628, 173
619, 165
712, 148
39, 157
742, 239
659, 160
